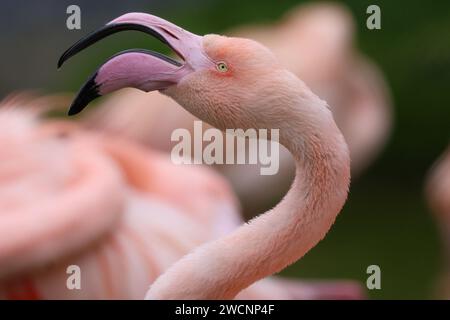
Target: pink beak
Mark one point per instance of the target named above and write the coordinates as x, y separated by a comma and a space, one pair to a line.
138, 68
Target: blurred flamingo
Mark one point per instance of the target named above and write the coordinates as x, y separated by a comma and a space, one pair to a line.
315, 41
438, 194
235, 83
62, 190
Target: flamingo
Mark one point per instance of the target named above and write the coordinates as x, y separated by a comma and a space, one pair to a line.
438, 194
235, 83
68, 197
350, 82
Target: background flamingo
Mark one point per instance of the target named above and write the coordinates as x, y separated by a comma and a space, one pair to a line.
100, 186
226, 97
349, 82
438, 194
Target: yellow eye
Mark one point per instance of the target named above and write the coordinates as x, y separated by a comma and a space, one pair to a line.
222, 67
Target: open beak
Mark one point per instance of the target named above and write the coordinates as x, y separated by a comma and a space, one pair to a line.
138, 68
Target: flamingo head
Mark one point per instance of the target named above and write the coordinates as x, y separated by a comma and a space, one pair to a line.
213, 78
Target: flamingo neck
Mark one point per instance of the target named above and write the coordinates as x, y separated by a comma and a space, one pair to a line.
277, 238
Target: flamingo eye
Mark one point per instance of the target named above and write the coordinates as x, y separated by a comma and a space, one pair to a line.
221, 67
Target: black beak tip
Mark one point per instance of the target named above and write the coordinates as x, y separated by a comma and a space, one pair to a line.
73, 110
62, 59
88, 93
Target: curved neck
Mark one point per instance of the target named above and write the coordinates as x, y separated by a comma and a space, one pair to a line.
270, 242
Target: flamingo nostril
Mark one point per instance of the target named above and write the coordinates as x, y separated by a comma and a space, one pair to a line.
169, 33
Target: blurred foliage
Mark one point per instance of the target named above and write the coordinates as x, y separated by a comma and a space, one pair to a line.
385, 221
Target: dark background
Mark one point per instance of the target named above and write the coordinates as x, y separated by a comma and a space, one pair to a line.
386, 220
